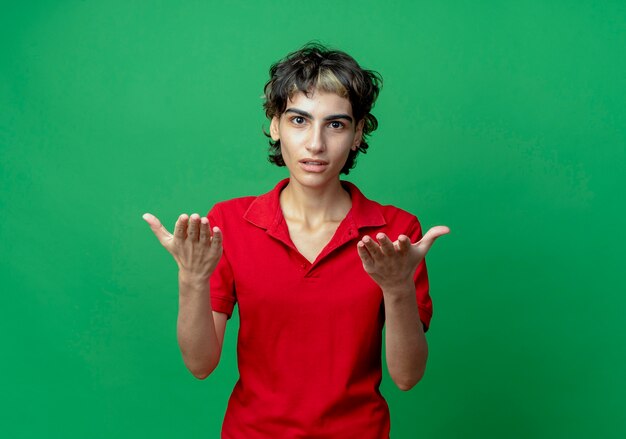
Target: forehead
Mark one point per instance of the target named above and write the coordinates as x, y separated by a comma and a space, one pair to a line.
319, 102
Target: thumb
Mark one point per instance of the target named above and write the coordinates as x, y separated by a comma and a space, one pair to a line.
429, 238
159, 230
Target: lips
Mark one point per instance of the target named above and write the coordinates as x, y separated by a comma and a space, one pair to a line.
313, 162
313, 165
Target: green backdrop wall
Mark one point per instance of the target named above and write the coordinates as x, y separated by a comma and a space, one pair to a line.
503, 120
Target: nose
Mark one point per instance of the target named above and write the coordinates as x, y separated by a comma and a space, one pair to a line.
316, 142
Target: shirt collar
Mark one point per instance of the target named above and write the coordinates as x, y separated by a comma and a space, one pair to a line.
265, 210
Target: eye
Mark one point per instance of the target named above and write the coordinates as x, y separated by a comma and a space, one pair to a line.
336, 124
298, 120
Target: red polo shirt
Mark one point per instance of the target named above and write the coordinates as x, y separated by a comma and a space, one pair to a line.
310, 335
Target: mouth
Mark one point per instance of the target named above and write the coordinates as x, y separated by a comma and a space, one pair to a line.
311, 165
313, 162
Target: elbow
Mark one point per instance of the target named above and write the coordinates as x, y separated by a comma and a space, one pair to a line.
201, 372
405, 386
201, 375
408, 383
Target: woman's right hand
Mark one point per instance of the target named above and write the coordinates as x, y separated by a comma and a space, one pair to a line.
195, 249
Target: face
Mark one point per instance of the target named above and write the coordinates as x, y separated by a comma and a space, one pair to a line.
316, 135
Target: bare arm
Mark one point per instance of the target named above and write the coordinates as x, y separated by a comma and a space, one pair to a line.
406, 345
200, 330
392, 265
197, 251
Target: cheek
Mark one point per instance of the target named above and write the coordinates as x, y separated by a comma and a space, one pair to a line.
286, 149
345, 146
341, 156
283, 150
291, 142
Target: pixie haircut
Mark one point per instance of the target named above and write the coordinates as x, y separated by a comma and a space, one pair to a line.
315, 67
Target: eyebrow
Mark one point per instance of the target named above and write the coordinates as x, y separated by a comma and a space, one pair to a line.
310, 116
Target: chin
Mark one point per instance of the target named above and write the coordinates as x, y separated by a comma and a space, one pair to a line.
314, 180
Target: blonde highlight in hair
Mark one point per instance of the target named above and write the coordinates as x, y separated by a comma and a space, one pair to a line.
328, 82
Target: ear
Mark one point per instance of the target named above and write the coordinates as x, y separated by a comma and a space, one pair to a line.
274, 129
358, 134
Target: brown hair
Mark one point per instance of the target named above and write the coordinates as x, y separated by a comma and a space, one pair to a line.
315, 66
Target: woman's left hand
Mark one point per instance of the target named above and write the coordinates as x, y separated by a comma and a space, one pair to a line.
392, 264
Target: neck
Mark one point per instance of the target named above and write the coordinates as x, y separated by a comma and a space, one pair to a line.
314, 205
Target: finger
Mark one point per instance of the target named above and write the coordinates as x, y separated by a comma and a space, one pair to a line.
404, 243
159, 230
429, 238
373, 248
205, 234
386, 245
180, 231
366, 258
216, 240
194, 227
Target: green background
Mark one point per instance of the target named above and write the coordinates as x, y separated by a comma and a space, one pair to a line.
503, 120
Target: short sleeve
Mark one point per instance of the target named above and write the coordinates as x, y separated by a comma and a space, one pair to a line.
424, 302
222, 283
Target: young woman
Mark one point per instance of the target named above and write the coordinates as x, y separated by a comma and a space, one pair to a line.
315, 267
